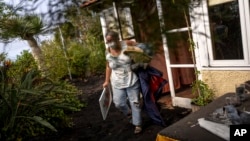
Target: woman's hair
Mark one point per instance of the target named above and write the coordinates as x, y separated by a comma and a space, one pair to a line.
113, 34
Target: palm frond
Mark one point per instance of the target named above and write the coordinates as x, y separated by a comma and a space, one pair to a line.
20, 26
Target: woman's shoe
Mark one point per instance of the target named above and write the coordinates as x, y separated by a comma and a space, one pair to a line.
138, 129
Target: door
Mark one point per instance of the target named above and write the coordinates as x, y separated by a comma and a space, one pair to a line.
180, 62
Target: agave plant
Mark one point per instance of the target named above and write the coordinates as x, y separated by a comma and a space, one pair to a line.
28, 108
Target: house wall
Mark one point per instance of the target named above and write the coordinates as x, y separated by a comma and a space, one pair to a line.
224, 81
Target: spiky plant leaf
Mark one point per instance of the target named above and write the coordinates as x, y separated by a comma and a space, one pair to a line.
43, 122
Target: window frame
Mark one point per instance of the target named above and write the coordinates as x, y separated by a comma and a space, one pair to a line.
204, 42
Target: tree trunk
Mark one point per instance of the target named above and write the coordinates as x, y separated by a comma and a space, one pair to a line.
36, 53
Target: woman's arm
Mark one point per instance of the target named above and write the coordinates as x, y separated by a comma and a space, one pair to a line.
131, 43
107, 75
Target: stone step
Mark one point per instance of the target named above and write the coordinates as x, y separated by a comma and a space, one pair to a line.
218, 129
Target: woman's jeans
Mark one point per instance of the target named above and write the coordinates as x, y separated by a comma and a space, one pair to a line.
132, 94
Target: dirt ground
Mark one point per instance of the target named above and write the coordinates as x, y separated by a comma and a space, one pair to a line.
89, 125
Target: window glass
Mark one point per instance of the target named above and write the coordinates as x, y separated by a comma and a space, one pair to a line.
111, 20
179, 48
125, 18
173, 13
225, 30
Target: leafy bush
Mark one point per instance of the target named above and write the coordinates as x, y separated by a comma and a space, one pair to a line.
203, 94
88, 57
24, 63
31, 105
55, 60
82, 58
79, 59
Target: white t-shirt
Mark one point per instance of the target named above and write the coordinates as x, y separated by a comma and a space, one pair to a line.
121, 75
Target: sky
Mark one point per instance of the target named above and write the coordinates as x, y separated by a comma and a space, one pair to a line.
13, 49
17, 46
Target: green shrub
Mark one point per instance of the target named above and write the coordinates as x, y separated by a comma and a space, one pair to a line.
79, 59
97, 61
203, 94
55, 60
23, 63
31, 105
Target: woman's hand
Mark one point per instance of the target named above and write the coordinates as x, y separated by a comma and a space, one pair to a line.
105, 84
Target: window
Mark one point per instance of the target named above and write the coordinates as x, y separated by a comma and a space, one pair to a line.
109, 20
228, 29
225, 31
119, 20
125, 19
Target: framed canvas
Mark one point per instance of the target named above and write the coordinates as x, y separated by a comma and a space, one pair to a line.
105, 101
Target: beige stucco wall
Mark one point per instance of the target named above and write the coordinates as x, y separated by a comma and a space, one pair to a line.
224, 81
